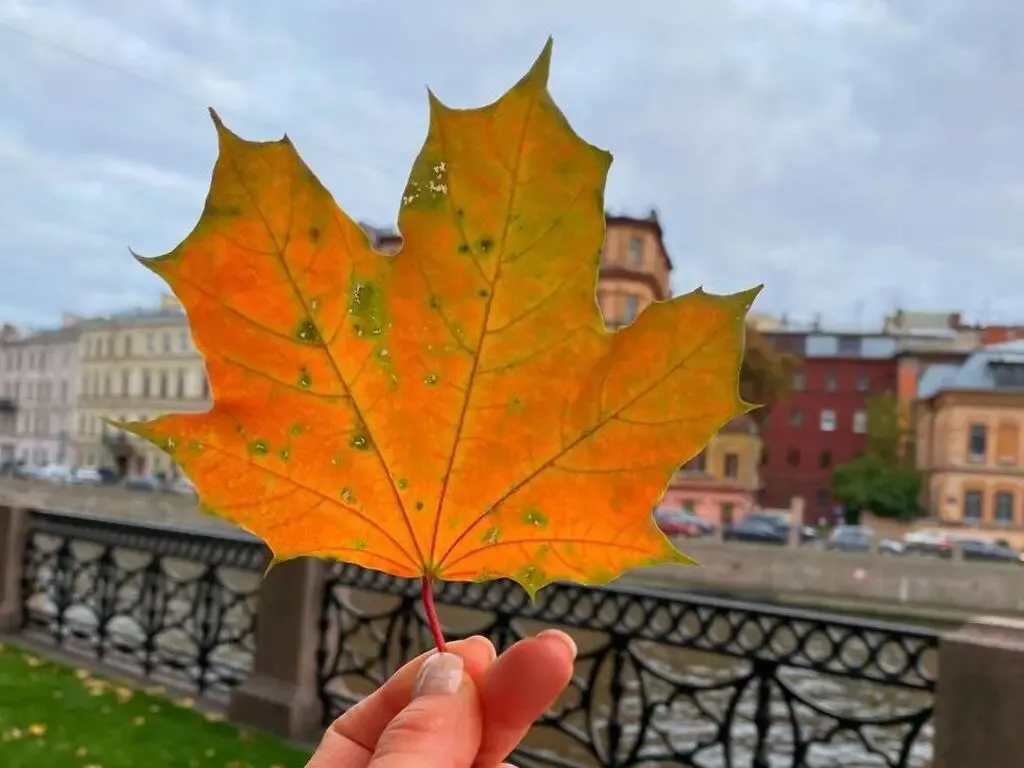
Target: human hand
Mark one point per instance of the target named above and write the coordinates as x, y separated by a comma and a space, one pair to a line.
460, 709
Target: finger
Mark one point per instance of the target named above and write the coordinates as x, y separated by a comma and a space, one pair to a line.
351, 739
440, 728
524, 682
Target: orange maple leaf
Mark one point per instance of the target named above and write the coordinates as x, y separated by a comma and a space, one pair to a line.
459, 410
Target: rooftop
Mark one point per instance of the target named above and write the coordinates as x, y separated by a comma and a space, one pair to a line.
999, 367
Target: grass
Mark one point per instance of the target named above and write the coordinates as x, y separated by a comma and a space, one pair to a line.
58, 717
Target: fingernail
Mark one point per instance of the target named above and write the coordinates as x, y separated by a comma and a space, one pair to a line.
440, 675
561, 636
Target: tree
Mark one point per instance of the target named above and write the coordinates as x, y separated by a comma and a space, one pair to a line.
766, 376
888, 435
869, 482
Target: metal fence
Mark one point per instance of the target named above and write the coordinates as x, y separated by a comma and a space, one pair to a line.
151, 600
661, 678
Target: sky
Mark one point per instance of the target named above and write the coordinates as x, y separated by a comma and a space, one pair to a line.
853, 155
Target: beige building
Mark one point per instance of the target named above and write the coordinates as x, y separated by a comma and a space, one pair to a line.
969, 425
135, 366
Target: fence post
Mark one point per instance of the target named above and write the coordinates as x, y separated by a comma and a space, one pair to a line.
980, 695
13, 534
281, 693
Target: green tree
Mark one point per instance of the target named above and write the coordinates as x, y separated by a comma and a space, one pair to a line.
766, 376
869, 482
884, 479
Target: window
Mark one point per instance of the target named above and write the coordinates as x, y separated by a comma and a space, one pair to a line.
630, 308
688, 505
106, 385
163, 384
827, 420
823, 497
206, 387
972, 506
181, 383
863, 382
1004, 507
830, 381
167, 341
150, 344
145, 383
127, 346
860, 422
848, 346
977, 443
732, 465
636, 250
796, 417
126, 383
1007, 442
793, 457
799, 382
697, 463
183, 340
825, 459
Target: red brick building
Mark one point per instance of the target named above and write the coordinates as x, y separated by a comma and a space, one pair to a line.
823, 423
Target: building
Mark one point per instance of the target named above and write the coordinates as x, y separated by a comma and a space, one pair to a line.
970, 444
721, 483
38, 376
635, 266
823, 422
135, 366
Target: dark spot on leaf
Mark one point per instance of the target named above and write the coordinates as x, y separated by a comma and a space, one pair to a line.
419, 506
486, 244
463, 248
305, 380
347, 495
284, 454
430, 379
482, 293
259, 447
307, 333
535, 517
295, 429
402, 483
435, 302
360, 441
459, 212
314, 234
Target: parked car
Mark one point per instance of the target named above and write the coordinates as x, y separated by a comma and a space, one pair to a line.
679, 522
850, 538
142, 483
185, 487
86, 476
928, 542
981, 549
781, 526
891, 547
754, 528
54, 473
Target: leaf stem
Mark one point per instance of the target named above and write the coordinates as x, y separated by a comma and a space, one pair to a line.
427, 591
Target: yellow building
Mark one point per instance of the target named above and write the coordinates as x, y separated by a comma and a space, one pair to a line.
968, 423
721, 483
135, 366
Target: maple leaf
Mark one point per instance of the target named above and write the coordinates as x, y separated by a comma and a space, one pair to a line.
459, 410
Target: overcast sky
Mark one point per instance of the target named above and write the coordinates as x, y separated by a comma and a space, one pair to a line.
851, 154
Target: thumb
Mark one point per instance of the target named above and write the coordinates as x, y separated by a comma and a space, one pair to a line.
440, 727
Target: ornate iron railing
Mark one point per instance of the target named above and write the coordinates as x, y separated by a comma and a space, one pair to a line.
663, 679
157, 601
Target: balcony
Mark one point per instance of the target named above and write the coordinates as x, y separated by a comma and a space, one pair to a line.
7, 405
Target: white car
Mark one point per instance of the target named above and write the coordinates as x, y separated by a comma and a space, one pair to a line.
55, 473
87, 476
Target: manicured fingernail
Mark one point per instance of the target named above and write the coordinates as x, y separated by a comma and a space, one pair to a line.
564, 638
440, 675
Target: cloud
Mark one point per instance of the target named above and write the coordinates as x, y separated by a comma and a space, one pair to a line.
852, 154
